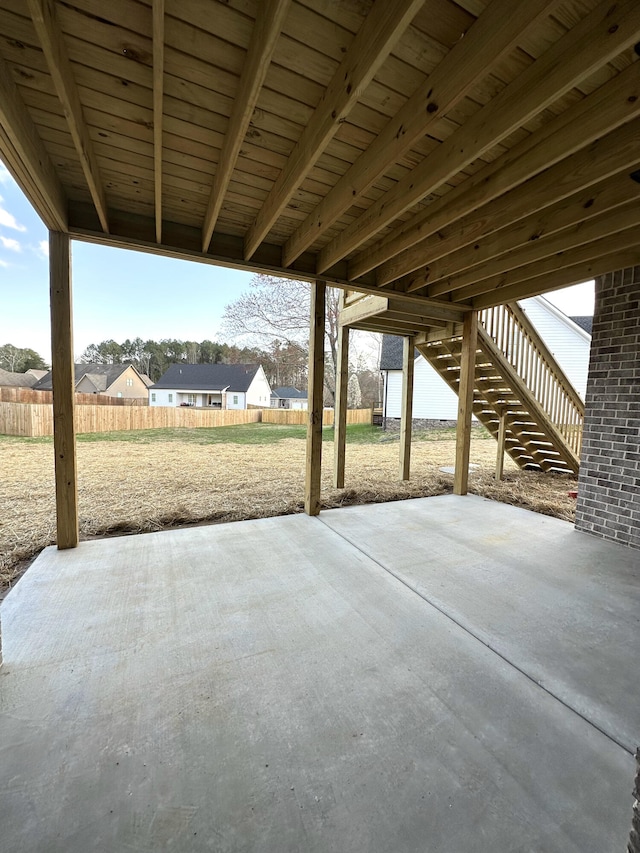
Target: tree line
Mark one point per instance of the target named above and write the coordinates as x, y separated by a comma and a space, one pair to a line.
20, 359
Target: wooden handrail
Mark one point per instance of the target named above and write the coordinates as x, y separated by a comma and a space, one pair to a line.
516, 338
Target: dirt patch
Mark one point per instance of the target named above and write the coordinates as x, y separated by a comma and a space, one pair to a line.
133, 488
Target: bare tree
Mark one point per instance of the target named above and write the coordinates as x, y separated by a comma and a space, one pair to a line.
278, 309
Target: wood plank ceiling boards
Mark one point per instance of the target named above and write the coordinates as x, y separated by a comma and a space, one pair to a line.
434, 153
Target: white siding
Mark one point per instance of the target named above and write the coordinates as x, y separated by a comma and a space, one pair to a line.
160, 397
432, 397
259, 392
567, 342
236, 400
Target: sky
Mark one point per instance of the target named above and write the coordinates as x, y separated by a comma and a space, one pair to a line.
119, 294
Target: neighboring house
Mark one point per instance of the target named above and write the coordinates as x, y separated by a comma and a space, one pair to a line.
288, 398
110, 380
18, 380
212, 386
568, 339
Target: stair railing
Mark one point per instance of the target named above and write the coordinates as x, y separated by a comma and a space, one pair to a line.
519, 342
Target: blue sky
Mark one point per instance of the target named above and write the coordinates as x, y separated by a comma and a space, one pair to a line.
122, 294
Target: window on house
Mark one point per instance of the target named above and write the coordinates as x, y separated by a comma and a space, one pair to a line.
191, 399
235, 399
171, 398
130, 382
153, 398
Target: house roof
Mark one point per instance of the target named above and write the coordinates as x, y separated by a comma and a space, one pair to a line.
464, 129
101, 375
288, 392
17, 380
208, 377
391, 352
585, 322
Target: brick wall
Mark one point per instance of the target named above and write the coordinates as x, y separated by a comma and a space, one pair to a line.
609, 486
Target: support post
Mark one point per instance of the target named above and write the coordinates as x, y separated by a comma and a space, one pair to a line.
406, 413
340, 414
64, 436
465, 402
502, 432
313, 469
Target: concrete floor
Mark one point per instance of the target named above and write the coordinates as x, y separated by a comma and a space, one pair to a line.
443, 674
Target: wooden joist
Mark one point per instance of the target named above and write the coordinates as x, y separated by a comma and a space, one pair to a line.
382, 28
590, 44
271, 15
158, 109
487, 41
53, 47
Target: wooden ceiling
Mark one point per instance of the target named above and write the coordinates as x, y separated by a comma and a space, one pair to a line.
456, 154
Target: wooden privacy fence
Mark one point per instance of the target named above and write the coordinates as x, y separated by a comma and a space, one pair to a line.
293, 417
10, 394
26, 419
32, 420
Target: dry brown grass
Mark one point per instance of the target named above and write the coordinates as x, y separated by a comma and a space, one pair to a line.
136, 487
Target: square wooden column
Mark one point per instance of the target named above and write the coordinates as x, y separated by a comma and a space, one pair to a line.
315, 394
406, 412
465, 402
340, 414
64, 434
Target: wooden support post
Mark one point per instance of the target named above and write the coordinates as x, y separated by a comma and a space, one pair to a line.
340, 414
64, 436
406, 407
315, 395
502, 432
465, 402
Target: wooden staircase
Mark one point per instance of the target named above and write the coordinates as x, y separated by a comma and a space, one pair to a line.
520, 393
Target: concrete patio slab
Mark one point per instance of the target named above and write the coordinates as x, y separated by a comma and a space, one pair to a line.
562, 606
267, 686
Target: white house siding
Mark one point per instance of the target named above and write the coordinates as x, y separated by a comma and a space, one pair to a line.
432, 397
567, 342
259, 392
236, 400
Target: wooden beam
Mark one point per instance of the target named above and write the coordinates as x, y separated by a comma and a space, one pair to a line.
502, 434
629, 238
270, 18
313, 470
595, 40
561, 278
488, 40
465, 402
539, 236
64, 437
604, 158
382, 29
53, 47
26, 157
406, 412
158, 109
613, 104
340, 414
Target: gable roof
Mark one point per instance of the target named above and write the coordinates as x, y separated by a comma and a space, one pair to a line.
208, 377
17, 380
288, 392
101, 375
585, 322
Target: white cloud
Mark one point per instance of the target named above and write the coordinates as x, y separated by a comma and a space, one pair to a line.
8, 219
43, 248
12, 245
3, 264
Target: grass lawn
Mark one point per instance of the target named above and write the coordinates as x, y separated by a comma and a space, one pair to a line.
150, 479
